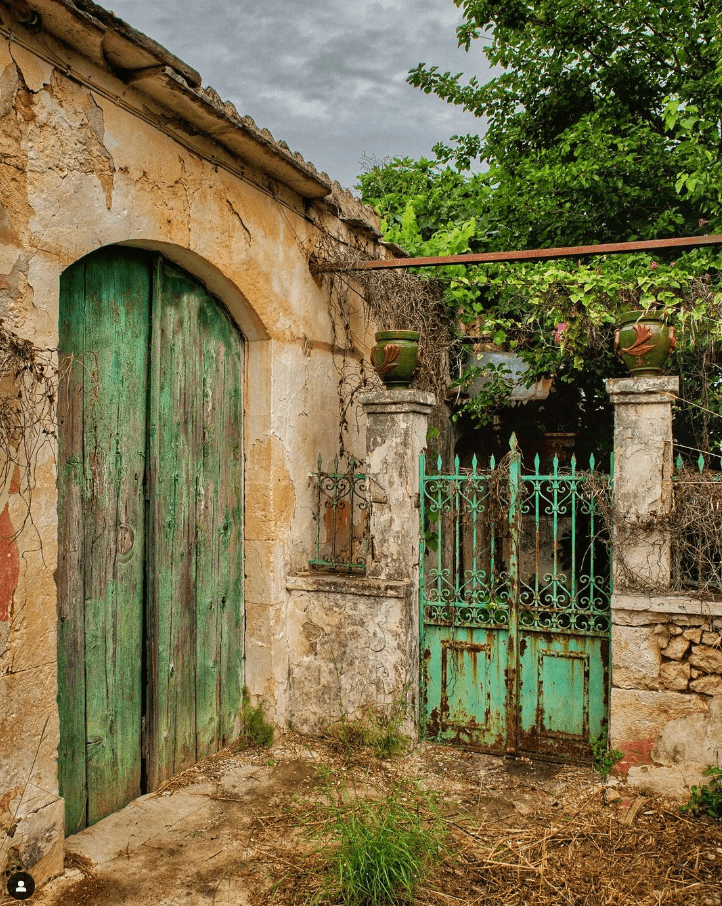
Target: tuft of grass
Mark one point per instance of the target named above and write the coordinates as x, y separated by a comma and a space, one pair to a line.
254, 730
378, 731
377, 852
604, 758
708, 798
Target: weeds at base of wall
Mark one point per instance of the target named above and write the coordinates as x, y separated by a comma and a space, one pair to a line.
376, 852
377, 732
604, 758
707, 799
254, 730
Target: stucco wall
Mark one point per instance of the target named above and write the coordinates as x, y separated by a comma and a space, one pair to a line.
87, 161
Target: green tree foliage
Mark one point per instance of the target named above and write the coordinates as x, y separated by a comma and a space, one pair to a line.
599, 111
605, 124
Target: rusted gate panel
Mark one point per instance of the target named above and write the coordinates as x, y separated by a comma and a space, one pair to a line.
515, 604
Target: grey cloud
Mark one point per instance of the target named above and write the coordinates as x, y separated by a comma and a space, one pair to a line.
327, 77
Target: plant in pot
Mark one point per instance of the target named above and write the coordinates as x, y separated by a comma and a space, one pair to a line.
413, 332
395, 357
644, 338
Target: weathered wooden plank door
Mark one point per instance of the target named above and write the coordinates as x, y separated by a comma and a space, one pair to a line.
194, 555
102, 419
150, 554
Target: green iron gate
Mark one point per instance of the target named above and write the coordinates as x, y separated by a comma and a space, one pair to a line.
515, 608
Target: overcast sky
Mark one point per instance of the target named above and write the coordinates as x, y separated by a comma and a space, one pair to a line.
326, 76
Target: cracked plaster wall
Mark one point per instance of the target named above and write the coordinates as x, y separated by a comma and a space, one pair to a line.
356, 639
79, 170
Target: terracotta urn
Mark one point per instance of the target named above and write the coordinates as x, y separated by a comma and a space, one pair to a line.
643, 341
395, 356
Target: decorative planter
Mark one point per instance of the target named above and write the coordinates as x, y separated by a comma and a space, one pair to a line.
643, 341
395, 356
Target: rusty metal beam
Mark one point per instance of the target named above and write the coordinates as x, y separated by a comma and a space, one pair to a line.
579, 251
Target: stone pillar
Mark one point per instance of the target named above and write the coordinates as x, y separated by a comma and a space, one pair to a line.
395, 436
642, 479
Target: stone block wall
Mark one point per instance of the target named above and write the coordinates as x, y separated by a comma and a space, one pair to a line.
666, 701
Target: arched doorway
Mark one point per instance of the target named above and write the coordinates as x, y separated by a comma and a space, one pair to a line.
150, 561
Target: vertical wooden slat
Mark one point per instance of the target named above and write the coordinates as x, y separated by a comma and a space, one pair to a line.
175, 438
70, 586
102, 409
117, 291
219, 554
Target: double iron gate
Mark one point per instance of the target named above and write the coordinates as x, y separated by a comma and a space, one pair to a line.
515, 607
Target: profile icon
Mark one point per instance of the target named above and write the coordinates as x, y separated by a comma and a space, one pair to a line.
21, 885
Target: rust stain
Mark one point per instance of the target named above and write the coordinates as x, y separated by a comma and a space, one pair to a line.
636, 751
7, 798
9, 564
15, 481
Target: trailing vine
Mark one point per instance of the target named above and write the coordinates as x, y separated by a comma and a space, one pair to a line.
384, 300
29, 376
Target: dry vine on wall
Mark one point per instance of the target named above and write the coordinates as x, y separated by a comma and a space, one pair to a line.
386, 300
688, 537
29, 378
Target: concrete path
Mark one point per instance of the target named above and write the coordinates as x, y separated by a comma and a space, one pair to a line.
193, 846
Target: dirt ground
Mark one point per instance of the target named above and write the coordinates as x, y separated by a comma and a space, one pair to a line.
234, 831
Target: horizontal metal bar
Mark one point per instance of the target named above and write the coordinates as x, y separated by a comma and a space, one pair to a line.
578, 251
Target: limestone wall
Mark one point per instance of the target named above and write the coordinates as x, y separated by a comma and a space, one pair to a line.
356, 639
92, 154
667, 690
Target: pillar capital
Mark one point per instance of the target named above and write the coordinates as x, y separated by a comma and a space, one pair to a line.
642, 391
397, 402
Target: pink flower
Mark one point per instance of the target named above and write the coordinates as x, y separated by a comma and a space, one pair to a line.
653, 265
559, 332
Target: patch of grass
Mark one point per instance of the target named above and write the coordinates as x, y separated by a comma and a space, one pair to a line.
377, 852
604, 758
254, 730
378, 731
707, 799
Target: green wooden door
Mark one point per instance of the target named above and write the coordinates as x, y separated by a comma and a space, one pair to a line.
150, 525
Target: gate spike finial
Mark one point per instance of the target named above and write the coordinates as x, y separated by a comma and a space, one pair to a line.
513, 443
